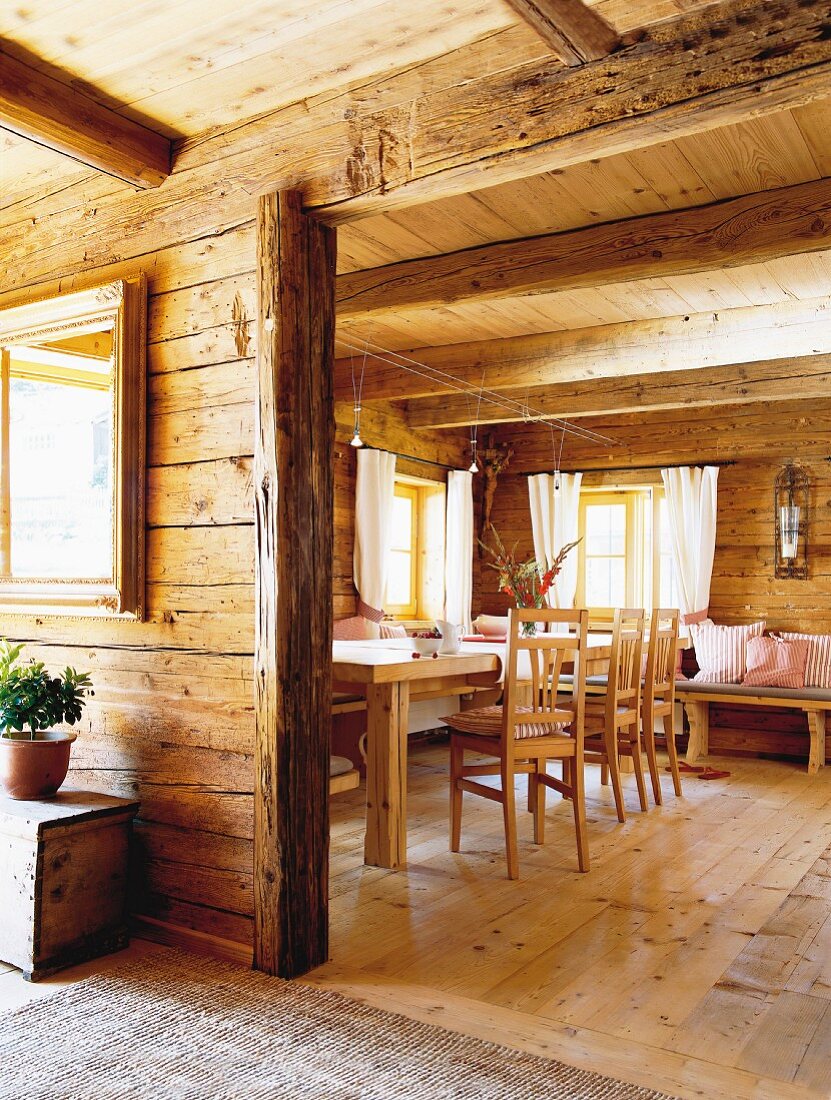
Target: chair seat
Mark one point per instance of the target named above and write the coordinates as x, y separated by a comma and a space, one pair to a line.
487, 722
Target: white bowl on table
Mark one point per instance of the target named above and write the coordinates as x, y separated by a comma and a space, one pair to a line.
426, 646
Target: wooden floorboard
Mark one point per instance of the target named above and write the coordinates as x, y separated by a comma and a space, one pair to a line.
693, 958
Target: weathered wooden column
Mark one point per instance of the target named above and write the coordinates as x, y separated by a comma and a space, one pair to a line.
293, 499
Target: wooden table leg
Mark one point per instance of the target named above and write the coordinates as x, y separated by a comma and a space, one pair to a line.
386, 775
816, 728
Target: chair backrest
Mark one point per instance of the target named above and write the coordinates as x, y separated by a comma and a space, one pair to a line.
538, 659
624, 682
661, 656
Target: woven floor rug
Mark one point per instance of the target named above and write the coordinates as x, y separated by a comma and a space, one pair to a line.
173, 1026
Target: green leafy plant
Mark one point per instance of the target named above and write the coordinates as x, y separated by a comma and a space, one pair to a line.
32, 699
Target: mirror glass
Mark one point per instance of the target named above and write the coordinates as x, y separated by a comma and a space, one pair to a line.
60, 484
72, 429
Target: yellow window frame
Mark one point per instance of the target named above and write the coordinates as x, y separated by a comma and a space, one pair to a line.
410, 610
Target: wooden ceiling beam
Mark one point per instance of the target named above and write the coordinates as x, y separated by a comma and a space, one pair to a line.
44, 110
737, 384
528, 364
574, 32
749, 229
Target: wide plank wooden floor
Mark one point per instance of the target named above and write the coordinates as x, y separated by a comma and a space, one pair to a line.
689, 959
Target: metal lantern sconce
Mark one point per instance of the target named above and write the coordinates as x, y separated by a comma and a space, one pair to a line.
790, 523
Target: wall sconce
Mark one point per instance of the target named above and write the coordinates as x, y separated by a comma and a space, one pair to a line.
790, 523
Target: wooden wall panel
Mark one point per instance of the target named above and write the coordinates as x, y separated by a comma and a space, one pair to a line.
172, 721
761, 440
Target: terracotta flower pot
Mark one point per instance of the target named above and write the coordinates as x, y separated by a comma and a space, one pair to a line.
34, 769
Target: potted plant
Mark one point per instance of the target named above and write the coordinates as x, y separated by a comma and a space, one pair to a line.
34, 757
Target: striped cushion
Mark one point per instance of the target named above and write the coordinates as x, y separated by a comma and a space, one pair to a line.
392, 630
487, 722
772, 662
354, 629
818, 668
721, 651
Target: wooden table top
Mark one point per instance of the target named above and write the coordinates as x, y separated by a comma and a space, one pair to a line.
382, 661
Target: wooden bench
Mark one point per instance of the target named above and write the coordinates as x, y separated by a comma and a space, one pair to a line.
696, 697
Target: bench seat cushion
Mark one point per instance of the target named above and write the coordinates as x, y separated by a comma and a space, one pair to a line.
799, 695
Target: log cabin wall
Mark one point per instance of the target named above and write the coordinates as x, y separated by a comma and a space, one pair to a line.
172, 721
760, 439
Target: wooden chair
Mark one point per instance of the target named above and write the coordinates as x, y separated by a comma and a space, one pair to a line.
613, 719
523, 738
659, 694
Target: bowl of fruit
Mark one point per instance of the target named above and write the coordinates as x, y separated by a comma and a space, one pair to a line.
426, 642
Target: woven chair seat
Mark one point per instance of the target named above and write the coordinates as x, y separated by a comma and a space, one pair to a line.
487, 722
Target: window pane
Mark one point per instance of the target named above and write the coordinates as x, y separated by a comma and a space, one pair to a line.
399, 580
402, 523
606, 529
61, 480
605, 582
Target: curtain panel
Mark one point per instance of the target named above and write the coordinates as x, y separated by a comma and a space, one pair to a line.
374, 494
691, 493
458, 561
554, 515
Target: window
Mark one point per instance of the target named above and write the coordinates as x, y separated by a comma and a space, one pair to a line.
415, 578
625, 556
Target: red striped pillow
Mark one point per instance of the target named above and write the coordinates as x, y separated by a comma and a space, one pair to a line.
818, 668
772, 662
393, 630
354, 629
721, 652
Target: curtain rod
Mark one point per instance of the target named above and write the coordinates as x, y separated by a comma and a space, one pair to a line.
629, 469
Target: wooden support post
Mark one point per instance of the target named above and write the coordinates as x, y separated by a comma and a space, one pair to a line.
5, 469
698, 714
293, 662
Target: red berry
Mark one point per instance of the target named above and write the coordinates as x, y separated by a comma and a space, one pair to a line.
415, 655
435, 656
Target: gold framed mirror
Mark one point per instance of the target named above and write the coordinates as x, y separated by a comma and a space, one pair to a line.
72, 447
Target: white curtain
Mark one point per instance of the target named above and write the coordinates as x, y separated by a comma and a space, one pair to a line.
374, 494
458, 557
554, 514
691, 505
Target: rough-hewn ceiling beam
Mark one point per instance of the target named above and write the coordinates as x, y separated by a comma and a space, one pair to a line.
749, 229
737, 384
574, 32
528, 364
44, 110
485, 114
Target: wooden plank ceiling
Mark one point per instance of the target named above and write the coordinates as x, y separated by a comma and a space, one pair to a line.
194, 74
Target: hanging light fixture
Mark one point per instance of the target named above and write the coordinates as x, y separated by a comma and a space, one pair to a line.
357, 393
356, 440
557, 457
790, 523
473, 468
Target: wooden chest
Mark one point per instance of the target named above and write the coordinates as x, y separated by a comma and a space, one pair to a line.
63, 879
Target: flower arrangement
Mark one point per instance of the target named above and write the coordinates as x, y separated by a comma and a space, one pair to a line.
526, 582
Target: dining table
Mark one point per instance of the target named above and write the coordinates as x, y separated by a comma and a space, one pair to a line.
389, 677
